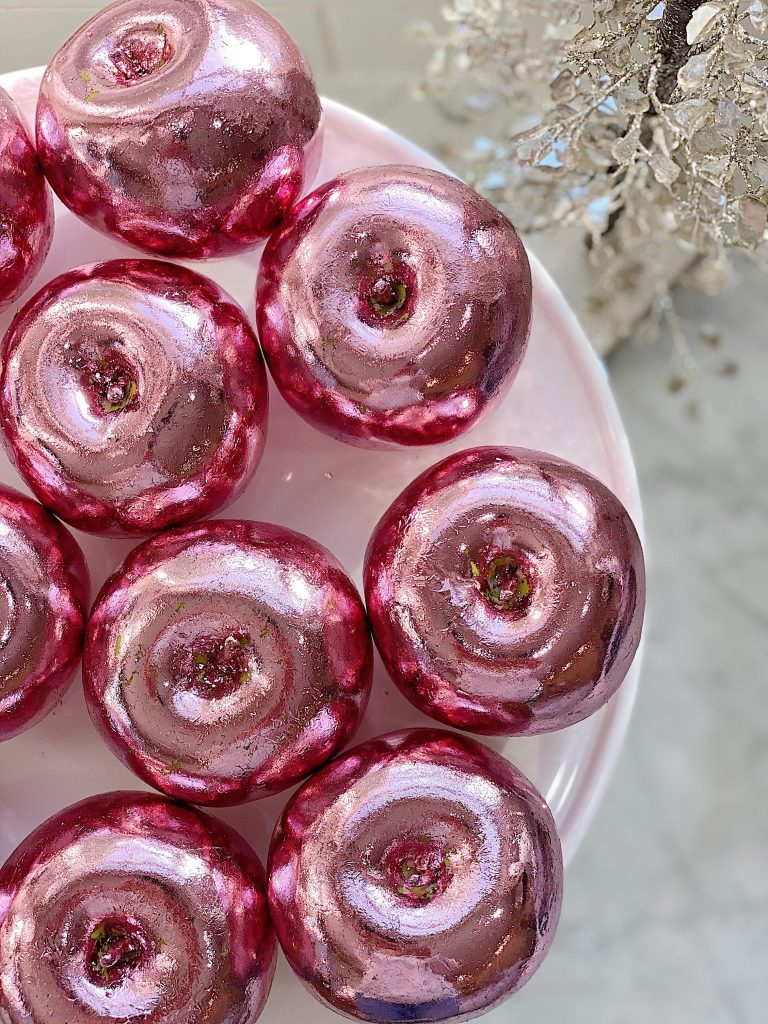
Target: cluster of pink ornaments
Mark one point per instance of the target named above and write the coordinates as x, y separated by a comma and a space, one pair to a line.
417, 877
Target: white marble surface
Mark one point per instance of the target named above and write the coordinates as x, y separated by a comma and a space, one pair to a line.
666, 911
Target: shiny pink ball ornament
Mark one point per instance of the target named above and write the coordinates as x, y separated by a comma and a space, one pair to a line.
394, 307
184, 127
127, 907
416, 878
226, 661
506, 590
44, 596
133, 396
26, 206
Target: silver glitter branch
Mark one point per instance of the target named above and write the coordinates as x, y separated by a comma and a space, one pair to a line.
650, 127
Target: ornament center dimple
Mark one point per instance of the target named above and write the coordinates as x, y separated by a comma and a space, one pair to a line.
387, 289
215, 666
140, 52
387, 296
505, 580
418, 869
116, 947
110, 382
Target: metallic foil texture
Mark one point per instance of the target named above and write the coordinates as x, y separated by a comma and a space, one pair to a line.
128, 907
44, 597
133, 397
226, 661
506, 591
184, 127
26, 206
417, 877
394, 307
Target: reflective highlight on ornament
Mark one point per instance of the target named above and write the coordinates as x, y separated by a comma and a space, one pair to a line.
44, 598
187, 128
417, 877
226, 661
133, 396
26, 206
506, 591
128, 907
394, 307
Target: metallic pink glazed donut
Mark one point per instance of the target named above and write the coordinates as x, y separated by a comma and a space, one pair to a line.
226, 661
26, 206
416, 878
506, 591
184, 127
394, 307
44, 596
133, 396
128, 907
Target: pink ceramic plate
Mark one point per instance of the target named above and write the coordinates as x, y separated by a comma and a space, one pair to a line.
560, 402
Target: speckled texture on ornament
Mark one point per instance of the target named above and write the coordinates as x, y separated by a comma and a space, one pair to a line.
128, 907
417, 877
226, 661
394, 306
506, 590
185, 127
133, 396
26, 206
44, 597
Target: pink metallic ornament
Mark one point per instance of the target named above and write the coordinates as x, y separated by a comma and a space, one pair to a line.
506, 591
394, 307
126, 907
184, 127
226, 661
416, 878
133, 397
44, 596
26, 206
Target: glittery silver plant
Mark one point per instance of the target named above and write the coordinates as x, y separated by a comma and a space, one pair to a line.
643, 124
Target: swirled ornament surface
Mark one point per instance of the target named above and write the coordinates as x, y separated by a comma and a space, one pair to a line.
133, 396
417, 877
184, 127
506, 590
127, 907
226, 661
44, 596
394, 306
26, 206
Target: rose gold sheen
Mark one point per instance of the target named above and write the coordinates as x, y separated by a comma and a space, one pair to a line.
506, 590
416, 878
181, 894
44, 597
394, 306
26, 206
133, 396
184, 127
226, 661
